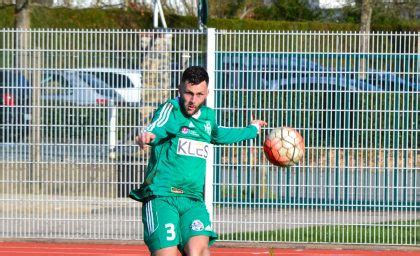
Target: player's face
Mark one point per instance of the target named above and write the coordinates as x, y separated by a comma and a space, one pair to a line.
193, 96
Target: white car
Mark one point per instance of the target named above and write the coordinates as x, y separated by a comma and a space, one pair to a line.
126, 82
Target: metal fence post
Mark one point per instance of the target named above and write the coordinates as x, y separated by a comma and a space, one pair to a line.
112, 132
211, 48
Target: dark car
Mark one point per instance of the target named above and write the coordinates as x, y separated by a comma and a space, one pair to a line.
15, 110
392, 81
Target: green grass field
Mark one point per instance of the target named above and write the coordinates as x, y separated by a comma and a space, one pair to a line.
401, 232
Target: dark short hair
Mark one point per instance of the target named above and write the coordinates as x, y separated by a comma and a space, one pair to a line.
195, 75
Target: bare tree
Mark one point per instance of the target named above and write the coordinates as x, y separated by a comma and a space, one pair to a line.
67, 3
47, 3
219, 8
23, 60
406, 9
22, 38
22, 14
188, 7
365, 20
248, 7
366, 15
6, 2
234, 8
126, 3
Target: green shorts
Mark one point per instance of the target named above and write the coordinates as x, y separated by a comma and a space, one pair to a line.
172, 221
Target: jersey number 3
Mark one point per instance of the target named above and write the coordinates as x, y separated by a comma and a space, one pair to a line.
170, 229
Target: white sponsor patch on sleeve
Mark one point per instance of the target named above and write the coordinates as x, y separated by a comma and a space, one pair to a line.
193, 148
197, 225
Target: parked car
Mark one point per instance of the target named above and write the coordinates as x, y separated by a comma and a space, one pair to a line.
389, 81
75, 105
110, 95
15, 106
93, 86
74, 98
299, 75
278, 72
302, 74
126, 83
72, 88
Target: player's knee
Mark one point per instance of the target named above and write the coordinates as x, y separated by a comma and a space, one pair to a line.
198, 246
198, 251
170, 251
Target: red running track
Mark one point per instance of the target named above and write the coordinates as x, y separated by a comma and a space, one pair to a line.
64, 249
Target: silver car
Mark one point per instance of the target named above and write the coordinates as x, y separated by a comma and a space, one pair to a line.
74, 88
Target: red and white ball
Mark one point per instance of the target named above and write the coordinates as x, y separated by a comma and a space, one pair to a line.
284, 147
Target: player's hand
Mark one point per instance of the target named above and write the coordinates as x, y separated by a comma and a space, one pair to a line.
260, 123
145, 138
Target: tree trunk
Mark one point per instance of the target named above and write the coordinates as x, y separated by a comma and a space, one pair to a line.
366, 15
22, 37
365, 18
22, 21
22, 14
22, 64
126, 4
5, 2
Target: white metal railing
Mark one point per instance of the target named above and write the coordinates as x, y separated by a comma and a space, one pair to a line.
358, 112
67, 158
67, 172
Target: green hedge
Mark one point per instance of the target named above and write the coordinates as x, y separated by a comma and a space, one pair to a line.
94, 18
236, 24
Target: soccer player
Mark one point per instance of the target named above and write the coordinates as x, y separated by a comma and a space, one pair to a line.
174, 214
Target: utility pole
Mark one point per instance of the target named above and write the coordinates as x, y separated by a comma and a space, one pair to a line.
158, 13
202, 14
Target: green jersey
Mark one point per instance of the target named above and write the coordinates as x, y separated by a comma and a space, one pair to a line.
177, 163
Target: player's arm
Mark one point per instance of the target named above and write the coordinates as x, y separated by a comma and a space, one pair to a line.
225, 135
157, 130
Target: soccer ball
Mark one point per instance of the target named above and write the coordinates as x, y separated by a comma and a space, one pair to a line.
284, 146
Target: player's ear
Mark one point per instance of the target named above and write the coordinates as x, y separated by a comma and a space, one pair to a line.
180, 88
